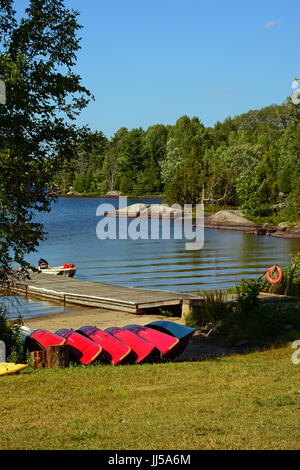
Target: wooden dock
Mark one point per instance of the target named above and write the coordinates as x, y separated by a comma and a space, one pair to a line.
98, 294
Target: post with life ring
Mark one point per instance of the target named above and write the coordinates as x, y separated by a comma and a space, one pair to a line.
270, 273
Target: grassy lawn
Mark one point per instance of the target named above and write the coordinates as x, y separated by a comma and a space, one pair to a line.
249, 401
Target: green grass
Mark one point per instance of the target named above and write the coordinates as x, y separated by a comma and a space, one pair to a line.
249, 401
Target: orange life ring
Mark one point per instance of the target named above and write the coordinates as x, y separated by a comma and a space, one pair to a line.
269, 274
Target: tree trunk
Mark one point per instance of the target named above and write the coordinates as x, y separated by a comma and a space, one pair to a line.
55, 356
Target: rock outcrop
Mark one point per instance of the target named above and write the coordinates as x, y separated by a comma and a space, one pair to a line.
132, 211
113, 194
229, 219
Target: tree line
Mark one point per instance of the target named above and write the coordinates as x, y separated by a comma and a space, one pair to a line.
249, 161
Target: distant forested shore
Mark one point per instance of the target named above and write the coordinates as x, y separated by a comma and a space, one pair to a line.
250, 162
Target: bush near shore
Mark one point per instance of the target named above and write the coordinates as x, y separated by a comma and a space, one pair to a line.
248, 319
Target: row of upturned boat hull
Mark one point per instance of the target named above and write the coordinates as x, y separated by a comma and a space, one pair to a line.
154, 342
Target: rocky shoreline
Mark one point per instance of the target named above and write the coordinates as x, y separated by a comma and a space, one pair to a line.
221, 220
234, 220
109, 195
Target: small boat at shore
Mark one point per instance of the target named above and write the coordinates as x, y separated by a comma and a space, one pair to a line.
114, 349
67, 270
84, 350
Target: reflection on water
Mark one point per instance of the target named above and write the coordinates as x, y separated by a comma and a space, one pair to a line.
16, 306
226, 257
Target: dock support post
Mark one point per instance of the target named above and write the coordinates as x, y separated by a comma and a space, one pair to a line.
188, 305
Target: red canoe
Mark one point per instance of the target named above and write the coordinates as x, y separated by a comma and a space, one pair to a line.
163, 342
182, 332
114, 349
84, 349
141, 350
46, 338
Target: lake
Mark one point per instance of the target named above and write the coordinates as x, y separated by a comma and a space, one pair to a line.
226, 257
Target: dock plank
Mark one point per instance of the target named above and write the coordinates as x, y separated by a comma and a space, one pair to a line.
98, 294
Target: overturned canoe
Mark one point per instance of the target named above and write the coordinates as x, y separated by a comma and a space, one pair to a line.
114, 349
35, 340
26, 329
84, 350
182, 332
46, 338
11, 368
141, 350
29, 343
162, 341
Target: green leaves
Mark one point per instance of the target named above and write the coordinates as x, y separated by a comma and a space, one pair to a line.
37, 54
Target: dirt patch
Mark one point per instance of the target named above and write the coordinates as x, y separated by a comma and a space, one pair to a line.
201, 348
100, 317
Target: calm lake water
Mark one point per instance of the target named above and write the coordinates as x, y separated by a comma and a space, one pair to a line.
225, 259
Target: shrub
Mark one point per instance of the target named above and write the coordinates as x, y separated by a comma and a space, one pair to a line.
294, 287
214, 309
10, 334
246, 318
261, 324
255, 321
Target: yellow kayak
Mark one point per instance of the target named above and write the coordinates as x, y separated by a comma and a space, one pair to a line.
11, 368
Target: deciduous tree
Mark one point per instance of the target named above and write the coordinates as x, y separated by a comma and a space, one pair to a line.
37, 130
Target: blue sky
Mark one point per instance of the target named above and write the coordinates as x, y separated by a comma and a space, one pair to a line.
152, 61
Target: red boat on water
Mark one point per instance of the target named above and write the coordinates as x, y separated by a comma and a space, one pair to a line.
114, 349
83, 349
141, 350
162, 341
